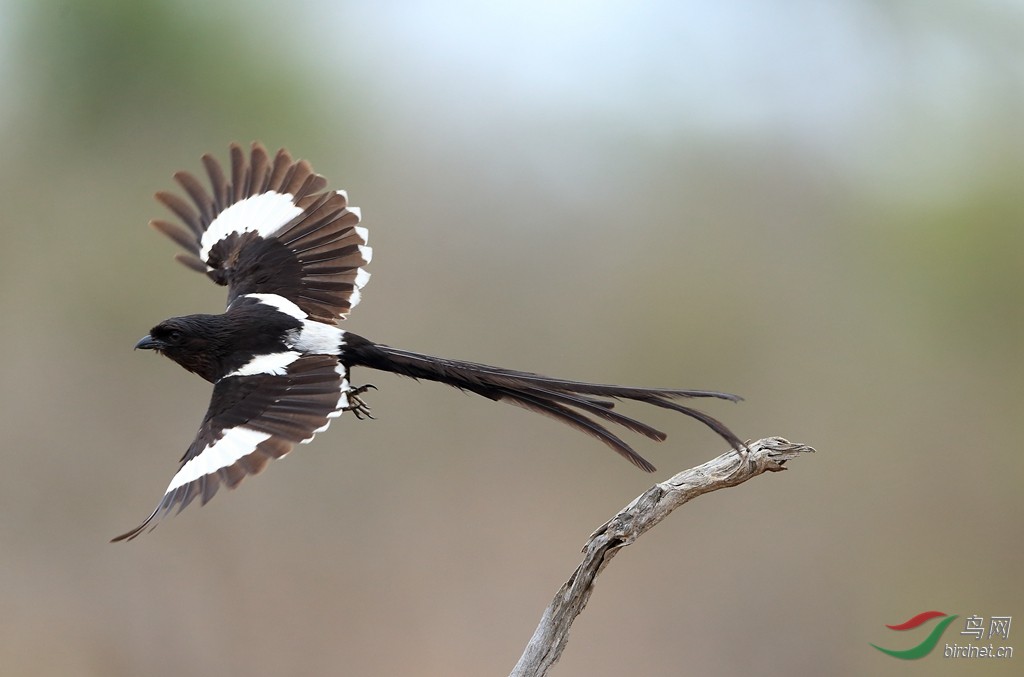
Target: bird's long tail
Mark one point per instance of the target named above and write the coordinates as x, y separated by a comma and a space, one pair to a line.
567, 401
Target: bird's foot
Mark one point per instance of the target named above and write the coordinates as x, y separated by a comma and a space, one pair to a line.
356, 404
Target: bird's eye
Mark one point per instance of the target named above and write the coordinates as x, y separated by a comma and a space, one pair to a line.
174, 336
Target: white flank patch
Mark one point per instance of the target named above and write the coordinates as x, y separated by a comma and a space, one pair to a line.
275, 364
316, 338
264, 213
367, 252
236, 443
281, 303
362, 233
358, 212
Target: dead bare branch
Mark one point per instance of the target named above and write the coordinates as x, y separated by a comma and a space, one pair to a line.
654, 505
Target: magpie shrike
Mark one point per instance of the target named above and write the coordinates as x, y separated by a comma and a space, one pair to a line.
293, 258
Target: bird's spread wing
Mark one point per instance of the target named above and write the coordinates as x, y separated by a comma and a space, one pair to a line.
270, 227
251, 420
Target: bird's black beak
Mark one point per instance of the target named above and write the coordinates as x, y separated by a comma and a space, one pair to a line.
147, 342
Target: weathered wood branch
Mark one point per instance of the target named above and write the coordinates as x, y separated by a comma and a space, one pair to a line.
646, 510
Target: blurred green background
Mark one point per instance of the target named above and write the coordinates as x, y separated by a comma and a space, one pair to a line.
815, 205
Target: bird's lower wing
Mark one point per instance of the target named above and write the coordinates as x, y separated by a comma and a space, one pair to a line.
252, 420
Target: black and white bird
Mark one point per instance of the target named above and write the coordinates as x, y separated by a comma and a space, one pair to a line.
293, 257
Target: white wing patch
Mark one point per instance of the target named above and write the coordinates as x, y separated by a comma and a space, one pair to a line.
343, 395
236, 443
274, 364
265, 214
340, 407
362, 277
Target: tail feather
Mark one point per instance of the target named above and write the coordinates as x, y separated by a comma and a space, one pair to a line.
559, 412
601, 409
563, 400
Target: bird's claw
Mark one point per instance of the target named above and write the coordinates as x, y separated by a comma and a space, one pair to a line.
356, 404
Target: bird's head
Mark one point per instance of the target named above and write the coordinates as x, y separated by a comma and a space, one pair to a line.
190, 341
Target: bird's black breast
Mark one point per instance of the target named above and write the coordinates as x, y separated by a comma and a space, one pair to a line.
252, 329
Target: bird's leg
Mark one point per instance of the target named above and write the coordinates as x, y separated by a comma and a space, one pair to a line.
356, 404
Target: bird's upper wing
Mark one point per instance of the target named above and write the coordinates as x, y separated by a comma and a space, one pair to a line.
251, 420
271, 228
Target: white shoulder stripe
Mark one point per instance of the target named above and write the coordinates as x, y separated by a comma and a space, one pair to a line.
281, 303
265, 214
236, 443
274, 364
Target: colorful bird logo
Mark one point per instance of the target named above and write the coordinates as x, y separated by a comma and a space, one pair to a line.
925, 647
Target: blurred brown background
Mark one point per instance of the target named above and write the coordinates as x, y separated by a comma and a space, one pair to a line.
816, 205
